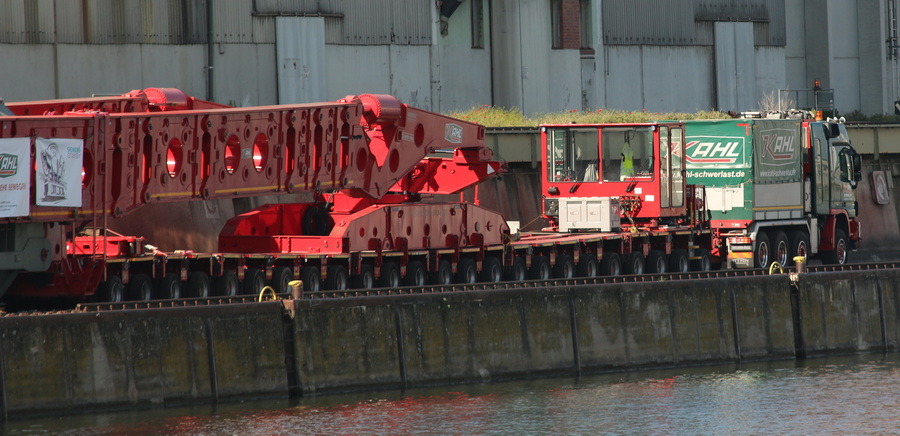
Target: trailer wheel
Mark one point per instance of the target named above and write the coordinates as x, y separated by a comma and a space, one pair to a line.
634, 263
141, 288
254, 281
366, 277
312, 279
517, 271
781, 252
611, 264
390, 275
799, 241
443, 275
837, 255
656, 262
169, 287
281, 276
762, 255
227, 284
466, 271
588, 265
491, 270
198, 285
112, 290
702, 262
540, 268
338, 279
415, 274
565, 267
679, 262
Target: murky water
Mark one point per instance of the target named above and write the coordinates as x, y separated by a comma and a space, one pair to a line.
840, 395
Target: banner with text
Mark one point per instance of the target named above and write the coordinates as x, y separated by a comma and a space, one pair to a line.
58, 172
15, 162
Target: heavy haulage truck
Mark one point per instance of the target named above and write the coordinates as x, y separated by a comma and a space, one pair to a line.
775, 189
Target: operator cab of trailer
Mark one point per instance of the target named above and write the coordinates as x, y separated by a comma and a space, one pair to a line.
595, 174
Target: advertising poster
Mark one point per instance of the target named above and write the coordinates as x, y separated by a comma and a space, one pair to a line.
15, 162
58, 172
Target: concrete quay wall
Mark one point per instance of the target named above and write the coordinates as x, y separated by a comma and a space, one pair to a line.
88, 361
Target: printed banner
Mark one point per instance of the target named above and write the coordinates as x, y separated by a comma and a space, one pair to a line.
15, 162
58, 172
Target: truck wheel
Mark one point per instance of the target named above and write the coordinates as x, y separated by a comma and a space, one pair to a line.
540, 268
112, 290
390, 275
611, 264
443, 275
198, 285
799, 241
781, 251
656, 262
466, 272
227, 284
312, 279
517, 271
702, 262
565, 267
141, 288
366, 277
254, 281
169, 287
762, 255
338, 279
678, 261
634, 263
588, 266
415, 274
281, 276
491, 270
837, 255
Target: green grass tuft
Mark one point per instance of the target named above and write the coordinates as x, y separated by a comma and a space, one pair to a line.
489, 116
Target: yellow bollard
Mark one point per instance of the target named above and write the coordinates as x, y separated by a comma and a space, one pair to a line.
800, 264
296, 288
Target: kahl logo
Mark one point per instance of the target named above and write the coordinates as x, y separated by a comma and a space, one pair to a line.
779, 147
707, 152
9, 165
453, 133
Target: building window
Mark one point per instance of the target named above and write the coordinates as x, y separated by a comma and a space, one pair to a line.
477, 23
570, 23
587, 45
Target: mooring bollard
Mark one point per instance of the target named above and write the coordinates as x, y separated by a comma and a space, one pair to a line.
800, 264
296, 288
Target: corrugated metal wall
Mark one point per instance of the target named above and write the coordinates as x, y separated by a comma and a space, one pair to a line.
689, 22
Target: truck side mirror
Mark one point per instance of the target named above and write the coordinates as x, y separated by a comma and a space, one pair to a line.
857, 166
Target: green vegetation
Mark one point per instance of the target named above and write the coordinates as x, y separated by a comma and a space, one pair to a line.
489, 116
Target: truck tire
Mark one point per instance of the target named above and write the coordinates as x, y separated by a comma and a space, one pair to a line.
338, 279
390, 275
656, 262
703, 262
140, 288
762, 252
169, 287
781, 251
466, 272
415, 274
312, 279
112, 290
540, 268
366, 277
254, 281
838, 255
611, 264
799, 240
565, 267
679, 262
227, 285
491, 270
281, 276
443, 275
634, 263
517, 271
198, 285
588, 266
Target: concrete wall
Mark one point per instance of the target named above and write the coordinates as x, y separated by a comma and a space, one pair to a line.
86, 361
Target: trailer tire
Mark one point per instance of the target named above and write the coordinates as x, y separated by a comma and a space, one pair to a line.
443, 275
679, 262
254, 281
838, 254
312, 278
169, 287
656, 262
540, 268
565, 267
338, 279
702, 262
140, 288
416, 275
611, 264
781, 251
227, 285
588, 266
366, 277
466, 271
491, 270
112, 290
799, 241
390, 275
281, 276
762, 252
517, 271
198, 285
634, 263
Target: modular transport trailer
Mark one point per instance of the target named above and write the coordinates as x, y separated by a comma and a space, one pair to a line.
776, 188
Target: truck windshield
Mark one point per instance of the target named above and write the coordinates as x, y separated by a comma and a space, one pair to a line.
627, 153
572, 155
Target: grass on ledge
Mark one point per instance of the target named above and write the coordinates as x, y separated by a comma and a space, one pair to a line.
489, 116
